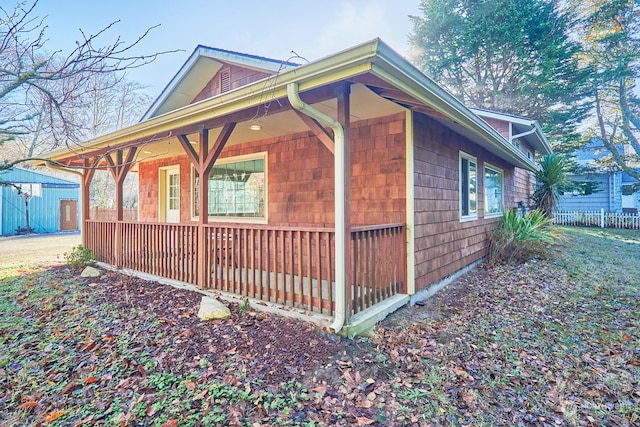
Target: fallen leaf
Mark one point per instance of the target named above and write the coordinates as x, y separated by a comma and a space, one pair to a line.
90, 346
170, 423
28, 404
200, 395
364, 421
468, 399
54, 416
83, 421
364, 404
90, 380
71, 387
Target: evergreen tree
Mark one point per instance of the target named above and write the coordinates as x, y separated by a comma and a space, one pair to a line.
512, 56
610, 34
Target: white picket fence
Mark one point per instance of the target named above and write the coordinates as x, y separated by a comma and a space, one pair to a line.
598, 219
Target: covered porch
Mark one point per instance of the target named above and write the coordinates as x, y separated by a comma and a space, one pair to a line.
324, 264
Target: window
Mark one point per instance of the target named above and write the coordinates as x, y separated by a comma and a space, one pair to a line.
236, 189
468, 187
493, 191
174, 191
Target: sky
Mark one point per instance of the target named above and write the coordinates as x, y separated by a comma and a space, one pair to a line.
271, 28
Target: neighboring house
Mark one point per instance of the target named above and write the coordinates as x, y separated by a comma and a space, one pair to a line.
53, 202
606, 188
345, 186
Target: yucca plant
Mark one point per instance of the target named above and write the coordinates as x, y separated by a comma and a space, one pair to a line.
521, 238
550, 178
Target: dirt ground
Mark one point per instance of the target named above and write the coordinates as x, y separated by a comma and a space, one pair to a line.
43, 249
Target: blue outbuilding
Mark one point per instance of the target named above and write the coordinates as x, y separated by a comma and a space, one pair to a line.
52, 202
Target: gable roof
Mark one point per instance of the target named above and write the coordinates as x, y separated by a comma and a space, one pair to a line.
203, 63
527, 129
373, 66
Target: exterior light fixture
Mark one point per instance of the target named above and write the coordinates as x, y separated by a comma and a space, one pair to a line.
255, 126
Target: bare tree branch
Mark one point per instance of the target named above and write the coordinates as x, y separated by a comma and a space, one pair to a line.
49, 88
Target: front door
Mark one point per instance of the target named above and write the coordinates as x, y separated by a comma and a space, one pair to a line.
68, 215
173, 195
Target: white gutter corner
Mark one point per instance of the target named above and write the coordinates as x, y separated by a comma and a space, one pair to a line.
293, 94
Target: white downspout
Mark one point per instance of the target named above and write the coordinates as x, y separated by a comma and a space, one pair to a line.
294, 98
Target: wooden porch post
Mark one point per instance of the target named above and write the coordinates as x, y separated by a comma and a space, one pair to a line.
119, 170
202, 162
344, 113
203, 208
87, 176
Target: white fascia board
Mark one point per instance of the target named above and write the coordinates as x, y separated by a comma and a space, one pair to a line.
504, 117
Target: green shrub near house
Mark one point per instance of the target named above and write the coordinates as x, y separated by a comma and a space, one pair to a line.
79, 257
519, 238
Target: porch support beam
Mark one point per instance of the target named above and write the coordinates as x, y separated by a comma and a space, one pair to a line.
89, 170
318, 131
203, 161
119, 167
344, 113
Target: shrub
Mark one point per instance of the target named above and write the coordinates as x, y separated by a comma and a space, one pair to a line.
522, 238
550, 178
80, 257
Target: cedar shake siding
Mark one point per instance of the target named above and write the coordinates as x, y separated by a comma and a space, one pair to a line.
444, 244
500, 125
300, 173
237, 77
525, 185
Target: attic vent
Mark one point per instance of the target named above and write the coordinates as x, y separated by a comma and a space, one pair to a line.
225, 81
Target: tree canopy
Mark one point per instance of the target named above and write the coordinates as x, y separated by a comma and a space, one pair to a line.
610, 36
512, 56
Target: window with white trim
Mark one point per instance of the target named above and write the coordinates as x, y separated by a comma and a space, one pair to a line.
493, 191
236, 188
468, 187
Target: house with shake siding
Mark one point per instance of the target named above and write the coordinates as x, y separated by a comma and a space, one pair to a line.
344, 187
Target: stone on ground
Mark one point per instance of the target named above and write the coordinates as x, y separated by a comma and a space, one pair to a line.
90, 272
211, 308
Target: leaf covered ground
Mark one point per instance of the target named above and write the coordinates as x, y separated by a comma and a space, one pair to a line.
549, 342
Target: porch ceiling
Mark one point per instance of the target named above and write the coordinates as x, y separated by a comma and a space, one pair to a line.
365, 104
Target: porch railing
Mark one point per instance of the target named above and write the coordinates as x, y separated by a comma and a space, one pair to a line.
291, 266
285, 265
379, 264
100, 236
166, 250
